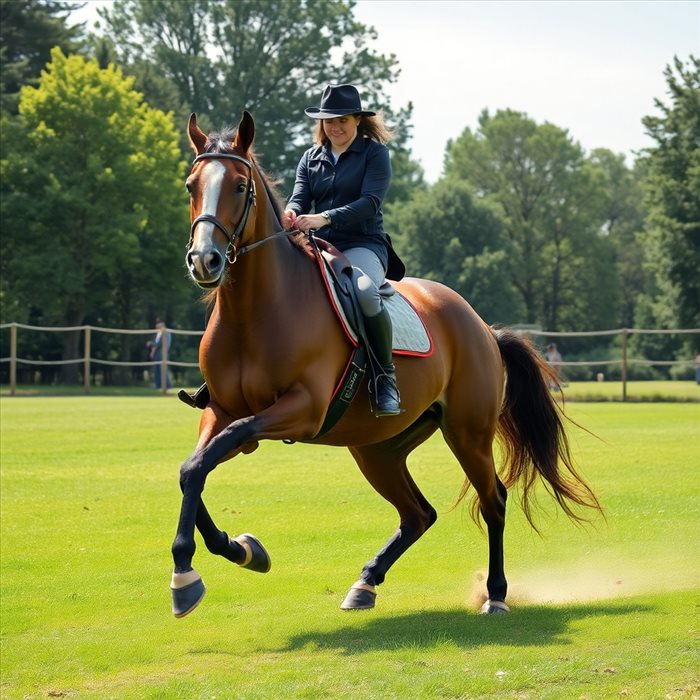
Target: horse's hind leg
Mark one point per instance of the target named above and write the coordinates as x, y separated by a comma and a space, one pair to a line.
473, 448
384, 466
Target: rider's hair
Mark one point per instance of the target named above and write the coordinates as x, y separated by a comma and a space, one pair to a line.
372, 127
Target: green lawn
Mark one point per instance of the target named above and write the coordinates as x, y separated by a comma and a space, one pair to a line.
89, 505
636, 391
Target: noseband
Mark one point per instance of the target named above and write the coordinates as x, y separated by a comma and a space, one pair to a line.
231, 252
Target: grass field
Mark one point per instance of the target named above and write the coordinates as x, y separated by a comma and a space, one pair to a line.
636, 391
89, 504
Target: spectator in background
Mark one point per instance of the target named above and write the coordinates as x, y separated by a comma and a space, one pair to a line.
155, 347
553, 357
697, 368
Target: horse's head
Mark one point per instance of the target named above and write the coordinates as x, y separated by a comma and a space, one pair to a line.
222, 199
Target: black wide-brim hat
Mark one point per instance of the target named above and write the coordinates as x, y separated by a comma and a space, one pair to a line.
338, 101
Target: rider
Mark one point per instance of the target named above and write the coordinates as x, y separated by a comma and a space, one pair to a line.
345, 176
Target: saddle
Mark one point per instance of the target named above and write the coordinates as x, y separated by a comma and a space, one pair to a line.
410, 336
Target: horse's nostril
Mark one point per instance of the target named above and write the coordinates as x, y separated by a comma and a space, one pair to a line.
213, 261
204, 265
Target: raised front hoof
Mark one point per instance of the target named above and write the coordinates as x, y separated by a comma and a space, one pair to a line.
186, 598
494, 607
256, 556
360, 597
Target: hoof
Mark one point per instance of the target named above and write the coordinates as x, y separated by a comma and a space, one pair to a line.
494, 607
360, 597
188, 590
256, 556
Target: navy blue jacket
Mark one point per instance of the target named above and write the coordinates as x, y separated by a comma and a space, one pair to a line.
351, 191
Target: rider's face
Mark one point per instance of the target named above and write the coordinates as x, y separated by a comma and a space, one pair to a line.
341, 131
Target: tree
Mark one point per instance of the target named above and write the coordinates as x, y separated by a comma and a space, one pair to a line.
272, 58
29, 29
549, 201
444, 234
407, 175
672, 240
93, 208
623, 214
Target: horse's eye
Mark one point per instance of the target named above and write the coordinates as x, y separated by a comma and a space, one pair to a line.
242, 187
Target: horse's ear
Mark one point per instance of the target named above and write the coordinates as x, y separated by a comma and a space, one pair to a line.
246, 132
197, 137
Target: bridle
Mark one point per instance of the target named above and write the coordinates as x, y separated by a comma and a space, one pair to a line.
231, 252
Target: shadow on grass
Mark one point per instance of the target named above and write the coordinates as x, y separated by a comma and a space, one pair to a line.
527, 626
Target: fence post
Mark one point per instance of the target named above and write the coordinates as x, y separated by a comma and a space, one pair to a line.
625, 332
164, 362
13, 359
86, 359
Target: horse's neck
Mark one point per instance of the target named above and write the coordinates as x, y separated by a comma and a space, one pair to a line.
267, 281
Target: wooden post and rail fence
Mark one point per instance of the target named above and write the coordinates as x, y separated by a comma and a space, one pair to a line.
89, 362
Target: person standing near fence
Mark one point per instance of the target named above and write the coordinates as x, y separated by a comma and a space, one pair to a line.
553, 357
162, 340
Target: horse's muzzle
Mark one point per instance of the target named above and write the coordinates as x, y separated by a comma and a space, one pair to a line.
205, 267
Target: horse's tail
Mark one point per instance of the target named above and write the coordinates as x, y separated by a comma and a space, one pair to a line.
532, 433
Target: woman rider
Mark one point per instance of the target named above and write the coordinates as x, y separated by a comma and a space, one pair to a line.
345, 176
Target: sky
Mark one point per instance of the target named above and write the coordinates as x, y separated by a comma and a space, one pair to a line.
593, 67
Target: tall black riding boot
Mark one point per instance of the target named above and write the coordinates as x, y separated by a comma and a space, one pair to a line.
386, 393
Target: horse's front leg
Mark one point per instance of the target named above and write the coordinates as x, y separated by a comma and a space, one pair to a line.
244, 550
292, 416
187, 586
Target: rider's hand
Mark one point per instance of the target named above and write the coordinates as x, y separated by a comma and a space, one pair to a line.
306, 222
289, 219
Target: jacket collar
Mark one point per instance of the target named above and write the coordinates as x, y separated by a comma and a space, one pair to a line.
324, 152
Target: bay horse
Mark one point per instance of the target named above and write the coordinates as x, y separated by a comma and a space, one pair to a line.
273, 353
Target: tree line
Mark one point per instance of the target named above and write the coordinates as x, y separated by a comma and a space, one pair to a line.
524, 223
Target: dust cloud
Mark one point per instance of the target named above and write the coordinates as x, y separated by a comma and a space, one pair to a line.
587, 581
